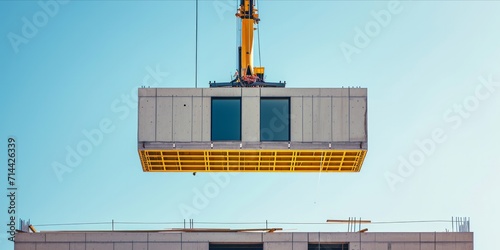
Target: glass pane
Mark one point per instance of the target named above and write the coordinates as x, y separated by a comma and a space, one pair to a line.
339, 246
236, 246
226, 119
274, 119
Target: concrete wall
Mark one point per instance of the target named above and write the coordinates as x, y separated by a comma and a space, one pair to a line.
270, 241
182, 115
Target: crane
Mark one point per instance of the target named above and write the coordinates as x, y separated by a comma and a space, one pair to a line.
247, 74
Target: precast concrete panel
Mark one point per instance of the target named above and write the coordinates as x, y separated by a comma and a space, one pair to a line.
445, 246
296, 120
278, 245
24, 246
357, 119
76, 246
395, 237
182, 118
357, 92
165, 237
165, 246
307, 119
123, 246
291, 92
223, 237
164, 92
465, 246
457, 237
98, 246
274, 92
53, 246
412, 246
300, 237
251, 92
316, 118
322, 125
206, 114
280, 237
429, 237
149, 92
429, 246
180, 92
368, 237
340, 119
197, 119
300, 246
334, 92
115, 236
445, 237
250, 119
65, 237
367, 245
354, 246
164, 118
250, 114
380, 246
195, 246
333, 237
39, 237
397, 246
140, 246
147, 119
222, 92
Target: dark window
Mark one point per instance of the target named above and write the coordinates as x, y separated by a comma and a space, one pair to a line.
235, 246
226, 119
275, 119
329, 246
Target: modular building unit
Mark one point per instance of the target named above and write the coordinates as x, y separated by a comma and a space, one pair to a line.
252, 129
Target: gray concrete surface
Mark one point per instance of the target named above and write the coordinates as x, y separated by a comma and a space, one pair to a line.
319, 117
127, 240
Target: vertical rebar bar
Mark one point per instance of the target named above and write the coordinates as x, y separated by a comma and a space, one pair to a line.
196, 50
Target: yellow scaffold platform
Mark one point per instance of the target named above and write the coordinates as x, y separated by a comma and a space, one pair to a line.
216, 160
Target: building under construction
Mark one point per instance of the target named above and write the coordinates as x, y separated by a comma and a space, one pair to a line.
232, 239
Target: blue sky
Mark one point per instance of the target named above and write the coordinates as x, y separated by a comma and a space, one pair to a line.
432, 71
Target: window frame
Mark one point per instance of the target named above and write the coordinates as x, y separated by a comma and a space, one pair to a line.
231, 245
212, 115
288, 116
316, 245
